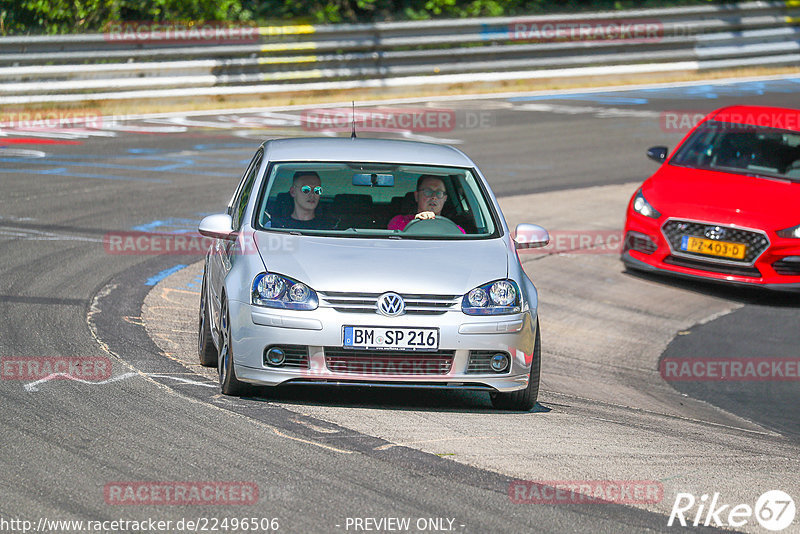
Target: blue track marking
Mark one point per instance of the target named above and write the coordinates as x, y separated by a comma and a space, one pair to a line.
146, 150
598, 98
153, 280
138, 160
194, 284
63, 171
171, 225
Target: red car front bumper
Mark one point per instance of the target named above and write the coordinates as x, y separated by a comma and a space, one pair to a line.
648, 248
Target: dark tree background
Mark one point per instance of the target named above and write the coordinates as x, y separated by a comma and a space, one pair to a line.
71, 16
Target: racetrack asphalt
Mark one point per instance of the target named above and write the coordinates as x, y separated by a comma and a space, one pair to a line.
319, 458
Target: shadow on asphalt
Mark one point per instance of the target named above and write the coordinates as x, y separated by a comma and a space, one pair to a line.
383, 399
741, 294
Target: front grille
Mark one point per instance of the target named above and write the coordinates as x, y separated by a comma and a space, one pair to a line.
480, 362
736, 270
296, 356
756, 242
388, 362
367, 302
787, 267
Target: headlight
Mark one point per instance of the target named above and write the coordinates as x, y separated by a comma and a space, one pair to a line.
276, 291
477, 298
641, 205
793, 232
494, 298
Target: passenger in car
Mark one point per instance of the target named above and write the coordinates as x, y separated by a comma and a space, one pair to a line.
305, 191
430, 196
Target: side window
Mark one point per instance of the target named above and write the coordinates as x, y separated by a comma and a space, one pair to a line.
239, 204
235, 198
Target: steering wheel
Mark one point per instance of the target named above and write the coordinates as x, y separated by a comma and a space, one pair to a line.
438, 226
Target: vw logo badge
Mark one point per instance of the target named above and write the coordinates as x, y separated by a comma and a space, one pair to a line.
391, 305
715, 232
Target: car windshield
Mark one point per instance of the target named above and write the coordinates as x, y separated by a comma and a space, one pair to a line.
742, 149
375, 200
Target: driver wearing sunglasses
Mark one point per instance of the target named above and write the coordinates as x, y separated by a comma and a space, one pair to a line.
430, 196
305, 191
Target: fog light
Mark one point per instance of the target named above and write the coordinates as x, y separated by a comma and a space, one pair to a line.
275, 357
499, 362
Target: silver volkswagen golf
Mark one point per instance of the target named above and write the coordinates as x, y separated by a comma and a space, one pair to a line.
369, 262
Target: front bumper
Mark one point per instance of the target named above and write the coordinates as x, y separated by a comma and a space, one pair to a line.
662, 258
635, 263
255, 328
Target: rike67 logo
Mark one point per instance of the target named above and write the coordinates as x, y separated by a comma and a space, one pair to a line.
774, 510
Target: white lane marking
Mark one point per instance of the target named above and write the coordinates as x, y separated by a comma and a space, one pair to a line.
309, 442
275, 119
39, 235
33, 386
185, 122
185, 381
429, 138
600, 112
21, 153
119, 127
58, 133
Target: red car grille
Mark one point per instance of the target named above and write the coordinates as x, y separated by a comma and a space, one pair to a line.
380, 362
755, 241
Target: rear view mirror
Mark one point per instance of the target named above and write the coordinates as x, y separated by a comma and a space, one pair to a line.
530, 236
373, 180
657, 153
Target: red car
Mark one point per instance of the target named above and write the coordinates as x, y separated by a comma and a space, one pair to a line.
725, 206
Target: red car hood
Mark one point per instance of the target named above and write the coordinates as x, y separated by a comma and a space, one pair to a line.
724, 198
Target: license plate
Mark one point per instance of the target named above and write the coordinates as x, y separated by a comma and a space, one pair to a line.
710, 247
370, 337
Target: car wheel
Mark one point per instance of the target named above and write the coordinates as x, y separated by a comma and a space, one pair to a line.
206, 350
229, 384
525, 399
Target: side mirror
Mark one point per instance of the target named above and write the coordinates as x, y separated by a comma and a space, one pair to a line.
217, 226
530, 236
657, 153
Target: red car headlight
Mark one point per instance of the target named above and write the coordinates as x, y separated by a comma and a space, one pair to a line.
793, 232
643, 207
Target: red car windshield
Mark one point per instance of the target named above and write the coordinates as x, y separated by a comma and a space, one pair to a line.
742, 149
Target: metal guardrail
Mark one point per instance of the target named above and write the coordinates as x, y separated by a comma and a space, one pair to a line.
128, 63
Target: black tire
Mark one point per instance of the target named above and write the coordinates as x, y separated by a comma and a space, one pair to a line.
206, 350
228, 383
525, 399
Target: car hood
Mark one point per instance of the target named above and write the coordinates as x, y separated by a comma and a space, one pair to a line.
764, 203
330, 264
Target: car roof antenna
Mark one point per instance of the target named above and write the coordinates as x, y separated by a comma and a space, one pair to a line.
353, 135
